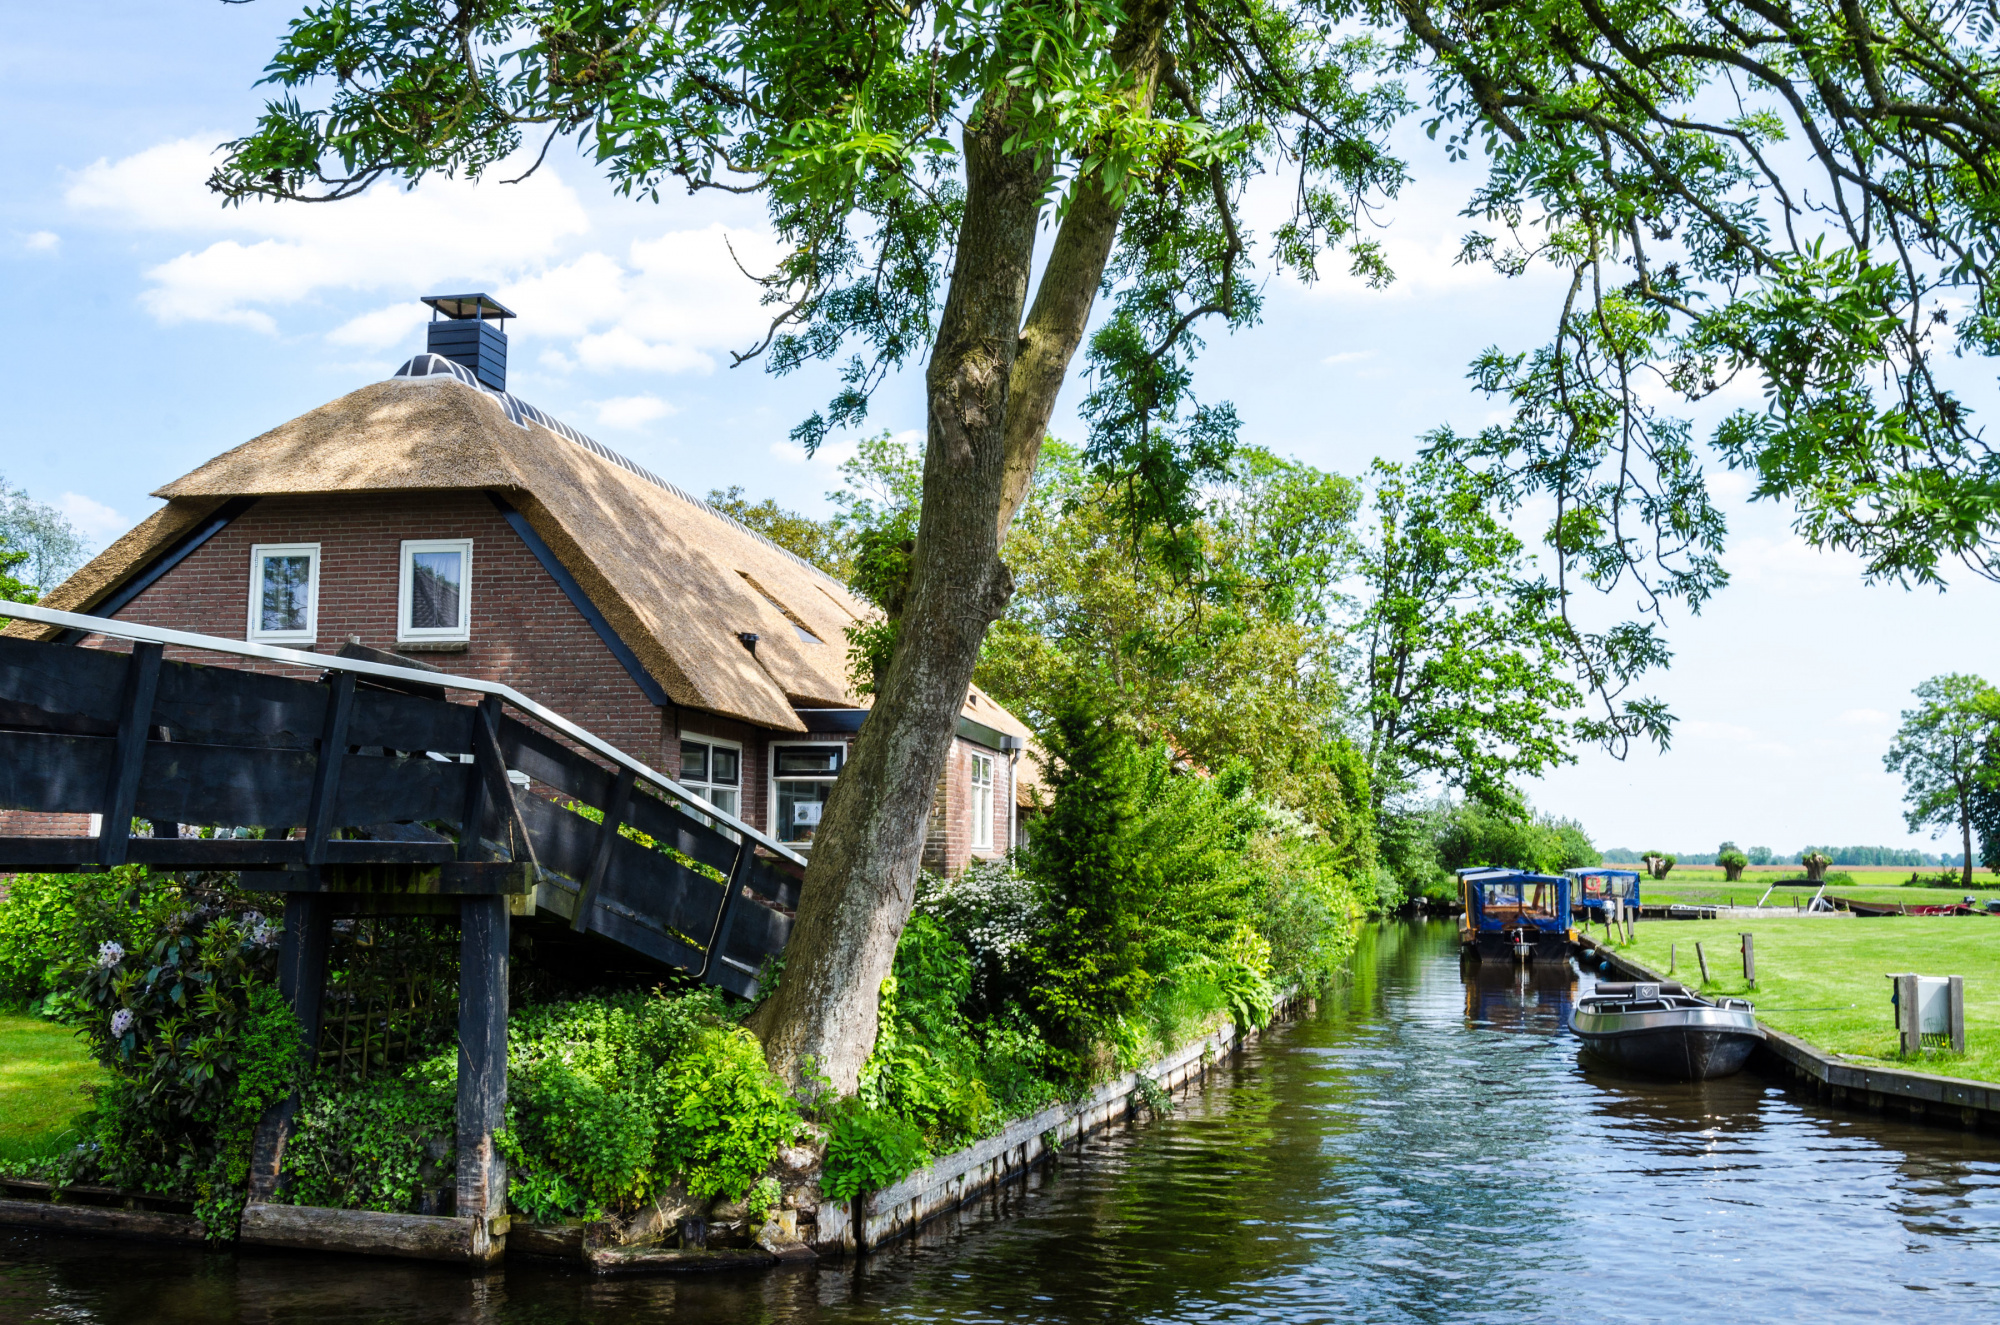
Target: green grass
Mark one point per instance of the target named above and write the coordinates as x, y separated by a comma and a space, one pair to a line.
1821, 978
43, 1067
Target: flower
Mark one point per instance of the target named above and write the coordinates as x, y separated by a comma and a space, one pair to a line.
121, 1021
109, 954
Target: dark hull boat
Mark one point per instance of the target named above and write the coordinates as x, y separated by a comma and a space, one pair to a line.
1666, 1030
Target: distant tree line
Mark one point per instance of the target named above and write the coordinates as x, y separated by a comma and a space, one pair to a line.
1765, 856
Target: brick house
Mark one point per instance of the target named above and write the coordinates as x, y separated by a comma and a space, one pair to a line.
435, 516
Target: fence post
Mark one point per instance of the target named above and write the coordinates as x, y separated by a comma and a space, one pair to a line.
1956, 1005
302, 953
1702, 958
1750, 959
1673, 954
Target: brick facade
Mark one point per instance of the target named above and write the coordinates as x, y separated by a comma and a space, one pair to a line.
525, 631
948, 837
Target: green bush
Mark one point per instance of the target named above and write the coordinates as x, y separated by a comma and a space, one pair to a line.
198, 1043
868, 1149
361, 1145
50, 925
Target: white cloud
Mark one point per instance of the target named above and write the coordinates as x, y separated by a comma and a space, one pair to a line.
632, 411
93, 518
609, 351
1866, 718
1348, 356
42, 241
264, 256
832, 455
394, 325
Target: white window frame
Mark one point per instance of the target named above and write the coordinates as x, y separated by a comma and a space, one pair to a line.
406, 563
254, 627
976, 792
772, 780
709, 785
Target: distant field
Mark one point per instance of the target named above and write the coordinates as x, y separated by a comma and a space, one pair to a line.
1695, 892
1822, 979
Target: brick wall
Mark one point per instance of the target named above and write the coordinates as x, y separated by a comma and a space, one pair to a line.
948, 835
525, 631
33, 823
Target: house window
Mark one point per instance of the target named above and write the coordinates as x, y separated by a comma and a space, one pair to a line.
982, 802
284, 593
713, 770
433, 602
801, 780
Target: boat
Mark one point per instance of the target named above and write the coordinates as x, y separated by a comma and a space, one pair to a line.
1514, 916
1667, 1030
1597, 887
1969, 907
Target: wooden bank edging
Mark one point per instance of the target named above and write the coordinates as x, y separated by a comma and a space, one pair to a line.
1949, 1101
879, 1218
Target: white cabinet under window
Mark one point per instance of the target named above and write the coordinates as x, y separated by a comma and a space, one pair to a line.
434, 598
284, 593
713, 770
980, 796
802, 778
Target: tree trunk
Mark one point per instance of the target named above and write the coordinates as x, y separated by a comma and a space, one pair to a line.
1965, 832
992, 385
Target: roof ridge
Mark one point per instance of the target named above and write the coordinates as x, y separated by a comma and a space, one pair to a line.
521, 412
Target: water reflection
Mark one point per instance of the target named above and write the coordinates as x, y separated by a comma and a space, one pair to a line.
1429, 1147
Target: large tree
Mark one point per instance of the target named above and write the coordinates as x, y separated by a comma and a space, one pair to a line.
1692, 250
1941, 751
1129, 130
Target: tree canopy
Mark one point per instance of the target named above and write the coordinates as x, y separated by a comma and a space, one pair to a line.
1941, 750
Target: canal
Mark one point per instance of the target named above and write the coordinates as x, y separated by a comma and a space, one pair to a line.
1424, 1147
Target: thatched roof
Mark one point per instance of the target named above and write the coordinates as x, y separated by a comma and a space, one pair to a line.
677, 580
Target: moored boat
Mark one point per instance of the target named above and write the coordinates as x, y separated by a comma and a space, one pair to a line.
1667, 1030
1514, 915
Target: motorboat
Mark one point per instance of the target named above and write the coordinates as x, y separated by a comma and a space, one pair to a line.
1667, 1030
1514, 915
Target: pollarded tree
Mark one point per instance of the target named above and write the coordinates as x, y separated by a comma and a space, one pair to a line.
1733, 862
1941, 752
911, 156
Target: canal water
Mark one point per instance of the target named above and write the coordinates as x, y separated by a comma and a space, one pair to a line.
1426, 1146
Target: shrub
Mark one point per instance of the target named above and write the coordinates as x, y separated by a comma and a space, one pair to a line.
868, 1149
50, 925
1733, 864
361, 1145
199, 1044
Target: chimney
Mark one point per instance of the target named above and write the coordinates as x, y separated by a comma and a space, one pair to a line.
471, 333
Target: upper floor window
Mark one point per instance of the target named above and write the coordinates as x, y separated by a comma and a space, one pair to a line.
284, 593
981, 809
713, 770
801, 780
433, 601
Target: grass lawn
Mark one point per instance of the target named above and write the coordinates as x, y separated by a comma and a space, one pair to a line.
42, 1068
1821, 978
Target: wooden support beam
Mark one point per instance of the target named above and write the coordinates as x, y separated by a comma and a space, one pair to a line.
326, 775
302, 954
135, 725
1909, 1018
456, 878
482, 1070
600, 858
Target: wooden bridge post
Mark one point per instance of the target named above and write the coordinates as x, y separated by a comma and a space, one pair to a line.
135, 725
302, 954
482, 1071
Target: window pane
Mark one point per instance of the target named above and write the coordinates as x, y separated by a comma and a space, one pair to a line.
808, 759
287, 588
694, 762
799, 807
725, 771
722, 798
436, 580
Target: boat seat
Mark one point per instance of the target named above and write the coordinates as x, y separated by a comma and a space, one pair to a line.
1627, 989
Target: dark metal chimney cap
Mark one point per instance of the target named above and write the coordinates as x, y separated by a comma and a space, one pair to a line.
466, 307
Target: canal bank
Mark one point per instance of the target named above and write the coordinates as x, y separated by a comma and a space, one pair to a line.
1831, 1077
1428, 1146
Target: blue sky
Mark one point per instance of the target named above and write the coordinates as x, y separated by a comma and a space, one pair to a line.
146, 329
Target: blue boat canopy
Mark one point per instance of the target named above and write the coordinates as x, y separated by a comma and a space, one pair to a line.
1505, 899
1598, 886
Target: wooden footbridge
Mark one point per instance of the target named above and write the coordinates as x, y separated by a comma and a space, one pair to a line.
371, 791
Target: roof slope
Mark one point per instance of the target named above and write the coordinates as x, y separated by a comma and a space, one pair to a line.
677, 580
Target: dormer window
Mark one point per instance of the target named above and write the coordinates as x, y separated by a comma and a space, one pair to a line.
434, 600
284, 593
